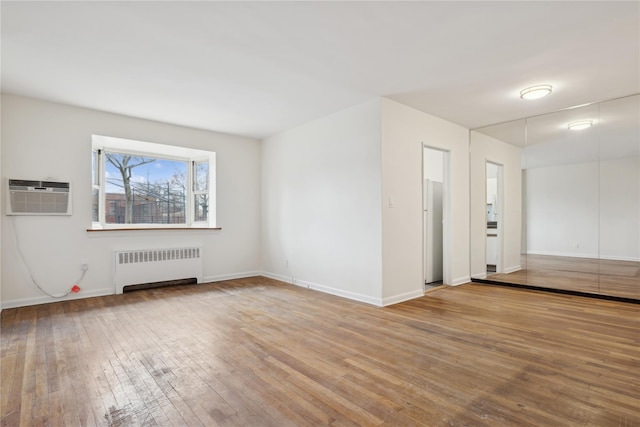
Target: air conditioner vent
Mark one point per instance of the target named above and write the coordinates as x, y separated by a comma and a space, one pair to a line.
23, 184
52, 184
30, 197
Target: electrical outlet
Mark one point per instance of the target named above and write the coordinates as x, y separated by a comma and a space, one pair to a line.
84, 265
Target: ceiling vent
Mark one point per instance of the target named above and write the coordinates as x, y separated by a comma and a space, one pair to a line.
26, 197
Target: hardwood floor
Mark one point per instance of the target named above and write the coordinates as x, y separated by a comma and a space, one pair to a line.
596, 276
257, 352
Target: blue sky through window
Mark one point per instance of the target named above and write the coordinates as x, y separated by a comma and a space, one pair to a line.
159, 171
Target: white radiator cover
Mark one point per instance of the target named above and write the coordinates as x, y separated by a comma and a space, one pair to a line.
135, 267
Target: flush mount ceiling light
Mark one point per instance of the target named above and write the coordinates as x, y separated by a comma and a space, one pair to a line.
580, 125
535, 92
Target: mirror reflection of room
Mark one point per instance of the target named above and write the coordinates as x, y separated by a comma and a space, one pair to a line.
580, 195
492, 218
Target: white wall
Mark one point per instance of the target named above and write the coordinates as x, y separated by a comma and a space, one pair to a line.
404, 131
620, 209
485, 148
562, 210
42, 139
595, 206
321, 219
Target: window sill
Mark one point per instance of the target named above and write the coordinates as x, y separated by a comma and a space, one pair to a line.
99, 230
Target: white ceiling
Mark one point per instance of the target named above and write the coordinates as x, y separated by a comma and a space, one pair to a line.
258, 68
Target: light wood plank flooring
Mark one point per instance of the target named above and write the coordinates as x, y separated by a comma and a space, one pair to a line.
596, 276
257, 352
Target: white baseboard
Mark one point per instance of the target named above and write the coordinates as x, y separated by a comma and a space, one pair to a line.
565, 254
512, 269
507, 270
286, 279
402, 297
591, 256
231, 276
326, 289
23, 302
620, 258
460, 280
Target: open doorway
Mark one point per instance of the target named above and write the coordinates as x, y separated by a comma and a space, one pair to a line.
435, 214
495, 219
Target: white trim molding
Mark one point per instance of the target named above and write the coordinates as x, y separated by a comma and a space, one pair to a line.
512, 269
566, 254
460, 280
402, 297
230, 276
23, 302
326, 289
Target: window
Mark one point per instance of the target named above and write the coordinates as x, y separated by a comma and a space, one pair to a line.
140, 184
201, 191
95, 186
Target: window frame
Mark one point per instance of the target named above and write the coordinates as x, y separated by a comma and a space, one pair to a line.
197, 192
96, 170
102, 145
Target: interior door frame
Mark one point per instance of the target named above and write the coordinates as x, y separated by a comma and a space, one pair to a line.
446, 213
501, 216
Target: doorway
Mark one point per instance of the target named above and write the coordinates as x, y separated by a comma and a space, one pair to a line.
494, 218
435, 177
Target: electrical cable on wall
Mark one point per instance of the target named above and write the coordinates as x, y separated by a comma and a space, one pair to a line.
33, 279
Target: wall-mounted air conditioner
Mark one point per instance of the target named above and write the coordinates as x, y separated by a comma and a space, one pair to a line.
26, 197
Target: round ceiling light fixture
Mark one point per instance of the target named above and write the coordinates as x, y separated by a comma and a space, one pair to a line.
580, 125
535, 92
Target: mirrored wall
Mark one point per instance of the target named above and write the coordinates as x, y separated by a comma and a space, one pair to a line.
555, 200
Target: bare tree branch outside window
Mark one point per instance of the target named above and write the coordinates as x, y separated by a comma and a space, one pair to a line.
125, 163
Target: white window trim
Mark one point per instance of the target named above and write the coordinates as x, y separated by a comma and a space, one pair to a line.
170, 152
192, 190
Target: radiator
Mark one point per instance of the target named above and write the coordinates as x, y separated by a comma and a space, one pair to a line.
135, 267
